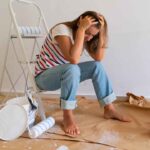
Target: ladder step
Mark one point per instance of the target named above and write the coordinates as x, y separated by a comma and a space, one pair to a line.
29, 32
29, 36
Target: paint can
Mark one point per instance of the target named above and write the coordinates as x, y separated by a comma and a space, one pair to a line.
23, 101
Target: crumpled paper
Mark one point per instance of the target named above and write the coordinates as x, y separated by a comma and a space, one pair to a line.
136, 100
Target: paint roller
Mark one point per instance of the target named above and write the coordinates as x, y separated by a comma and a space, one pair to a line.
41, 127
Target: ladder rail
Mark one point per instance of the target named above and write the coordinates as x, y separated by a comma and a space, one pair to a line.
16, 27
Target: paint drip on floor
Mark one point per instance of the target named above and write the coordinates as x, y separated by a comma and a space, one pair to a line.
62, 147
109, 137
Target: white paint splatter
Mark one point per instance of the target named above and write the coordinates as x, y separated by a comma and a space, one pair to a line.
55, 144
109, 137
112, 148
62, 147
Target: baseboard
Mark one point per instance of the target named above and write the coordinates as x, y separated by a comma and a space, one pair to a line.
47, 95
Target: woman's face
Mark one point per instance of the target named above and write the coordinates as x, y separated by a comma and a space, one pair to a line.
90, 33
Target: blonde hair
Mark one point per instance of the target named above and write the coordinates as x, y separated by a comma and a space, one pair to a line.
93, 43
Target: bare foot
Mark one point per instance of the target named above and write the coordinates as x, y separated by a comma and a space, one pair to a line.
70, 126
111, 113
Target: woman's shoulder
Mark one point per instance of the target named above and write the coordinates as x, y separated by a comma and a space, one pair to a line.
61, 29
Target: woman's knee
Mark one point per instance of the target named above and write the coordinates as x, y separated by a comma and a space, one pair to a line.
73, 70
98, 65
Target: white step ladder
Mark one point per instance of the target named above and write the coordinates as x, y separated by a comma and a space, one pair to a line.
20, 33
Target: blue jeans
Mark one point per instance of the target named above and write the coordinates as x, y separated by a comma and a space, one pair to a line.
67, 77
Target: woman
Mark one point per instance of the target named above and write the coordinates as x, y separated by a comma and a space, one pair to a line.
58, 65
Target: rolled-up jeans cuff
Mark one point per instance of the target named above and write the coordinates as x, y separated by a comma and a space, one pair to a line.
108, 99
67, 104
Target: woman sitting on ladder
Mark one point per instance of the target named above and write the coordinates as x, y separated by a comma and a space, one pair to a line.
59, 67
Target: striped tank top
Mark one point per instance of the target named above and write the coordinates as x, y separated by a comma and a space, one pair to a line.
50, 54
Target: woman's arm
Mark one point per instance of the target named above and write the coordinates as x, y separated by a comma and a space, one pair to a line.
98, 55
72, 52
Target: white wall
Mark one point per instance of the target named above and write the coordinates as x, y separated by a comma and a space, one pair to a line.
128, 55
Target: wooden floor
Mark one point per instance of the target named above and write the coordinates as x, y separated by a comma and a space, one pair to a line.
97, 133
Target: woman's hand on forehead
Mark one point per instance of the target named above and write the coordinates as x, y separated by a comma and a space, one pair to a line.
101, 20
87, 21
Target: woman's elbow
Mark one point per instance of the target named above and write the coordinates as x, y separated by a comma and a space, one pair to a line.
74, 61
99, 58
